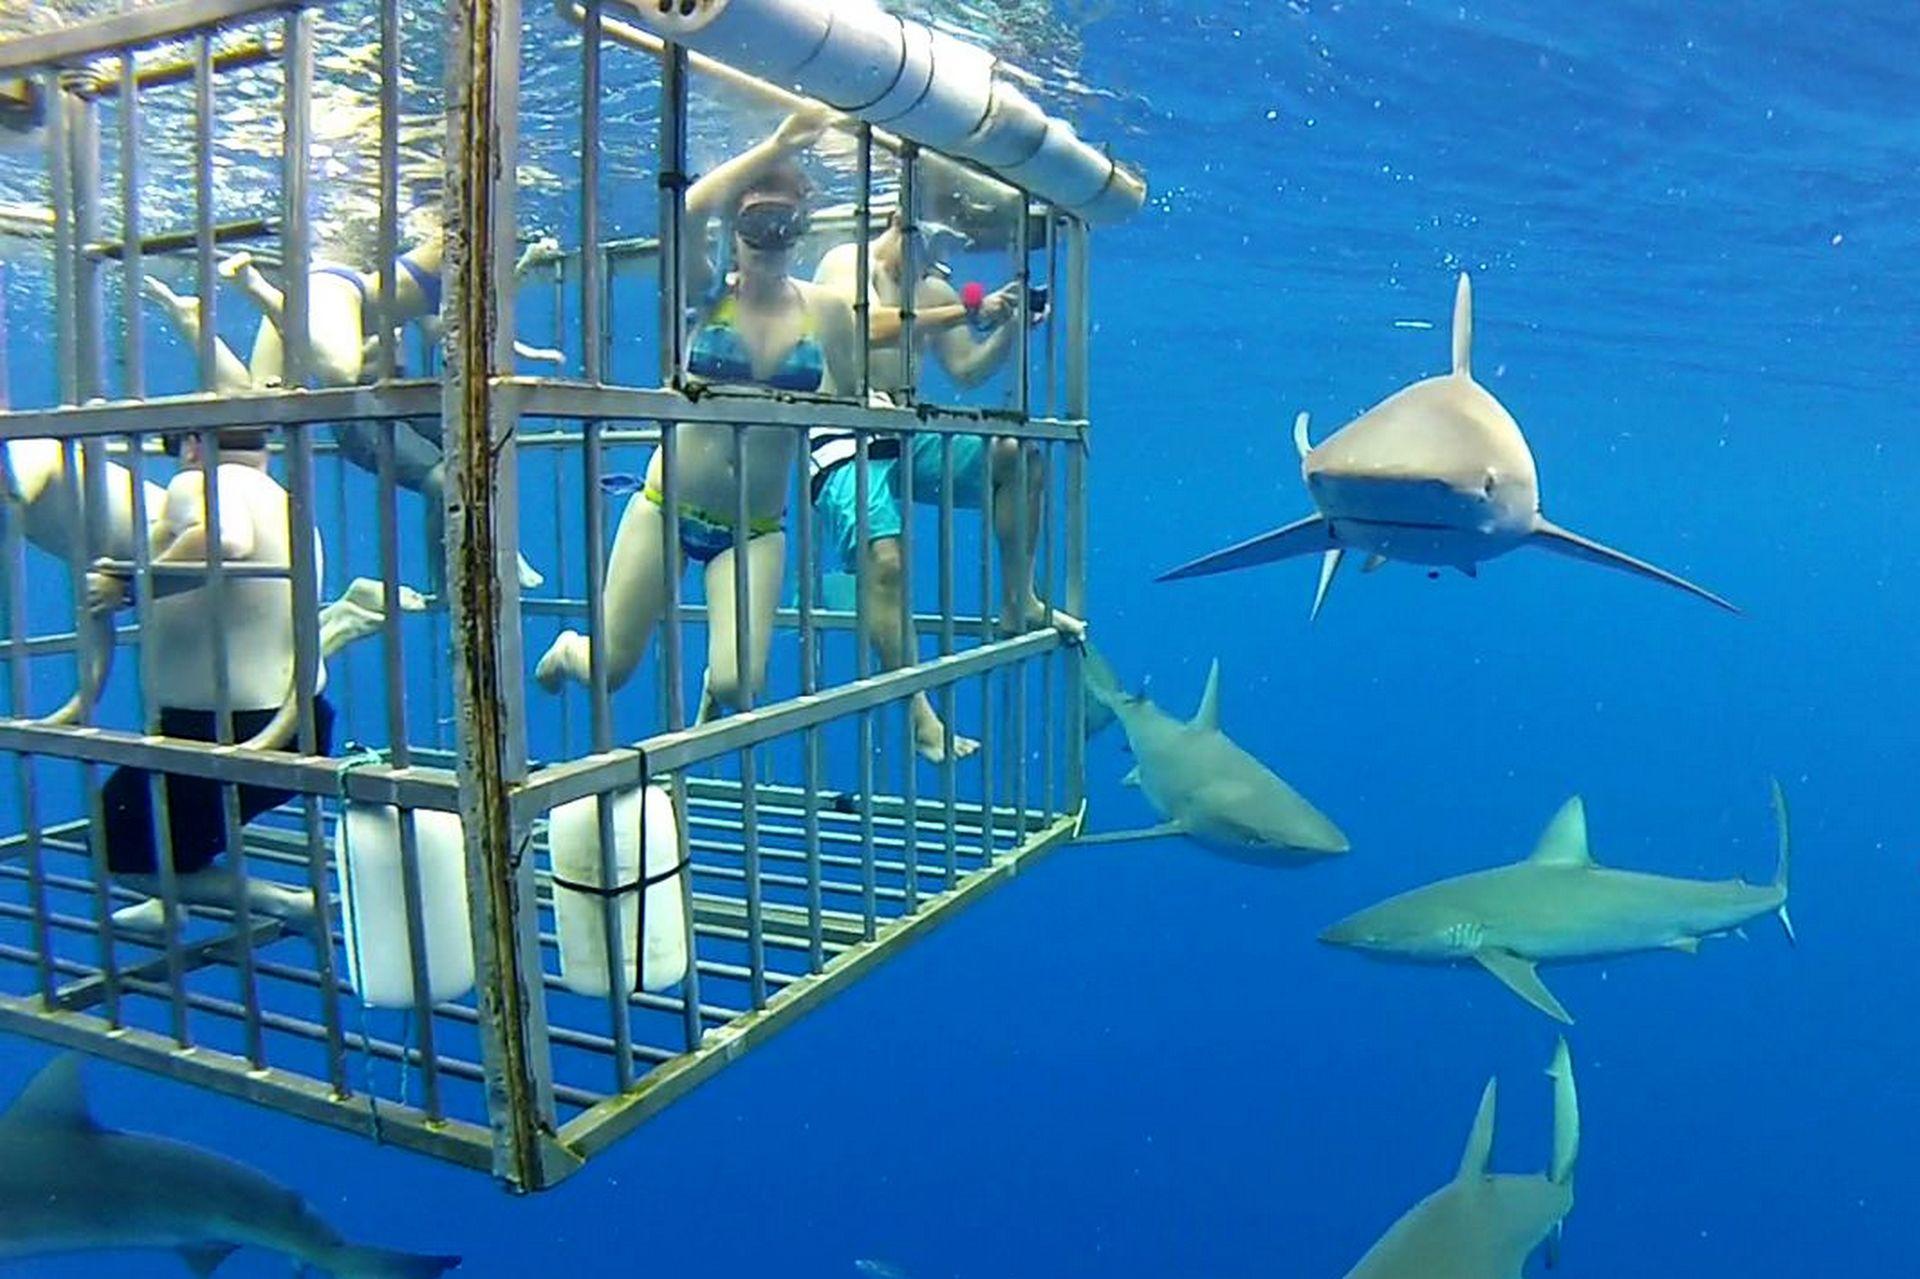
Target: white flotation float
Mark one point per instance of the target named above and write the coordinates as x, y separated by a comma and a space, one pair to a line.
579, 884
921, 83
373, 904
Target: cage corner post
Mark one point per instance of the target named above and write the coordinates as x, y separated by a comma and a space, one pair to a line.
480, 417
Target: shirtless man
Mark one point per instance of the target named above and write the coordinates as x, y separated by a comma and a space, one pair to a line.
943, 324
256, 616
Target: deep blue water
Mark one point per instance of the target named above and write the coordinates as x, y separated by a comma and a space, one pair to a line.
1694, 249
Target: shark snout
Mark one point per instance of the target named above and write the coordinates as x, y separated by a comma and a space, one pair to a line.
1348, 932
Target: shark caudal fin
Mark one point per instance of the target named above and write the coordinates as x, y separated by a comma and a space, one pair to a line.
1302, 537
1549, 536
1463, 327
1096, 673
1785, 862
349, 1262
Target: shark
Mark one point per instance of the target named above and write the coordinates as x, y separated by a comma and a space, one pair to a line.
1560, 905
1483, 1224
69, 1184
1205, 786
1437, 474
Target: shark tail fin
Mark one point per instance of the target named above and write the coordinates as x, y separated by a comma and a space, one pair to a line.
350, 1262
1551, 537
1463, 327
1302, 537
1097, 674
1785, 862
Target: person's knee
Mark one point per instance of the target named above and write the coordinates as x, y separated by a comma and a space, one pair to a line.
885, 568
1007, 455
723, 681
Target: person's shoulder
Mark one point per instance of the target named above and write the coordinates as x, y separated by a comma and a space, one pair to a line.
836, 264
936, 290
824, 301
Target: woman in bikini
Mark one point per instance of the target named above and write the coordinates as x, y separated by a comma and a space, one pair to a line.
759, 325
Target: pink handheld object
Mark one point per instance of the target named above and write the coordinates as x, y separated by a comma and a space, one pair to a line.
972, 294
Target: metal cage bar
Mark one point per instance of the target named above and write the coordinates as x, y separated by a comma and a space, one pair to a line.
790, 888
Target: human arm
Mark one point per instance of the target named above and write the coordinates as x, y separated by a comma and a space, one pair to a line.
717, 191
180, 543
968, 358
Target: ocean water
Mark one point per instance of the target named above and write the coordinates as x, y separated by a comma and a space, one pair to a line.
1693, 247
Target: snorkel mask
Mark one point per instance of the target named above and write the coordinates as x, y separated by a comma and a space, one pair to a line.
770, 226
939, 242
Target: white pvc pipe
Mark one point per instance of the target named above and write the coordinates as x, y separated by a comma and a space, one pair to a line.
923, 84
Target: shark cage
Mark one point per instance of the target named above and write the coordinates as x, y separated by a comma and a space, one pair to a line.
602, 803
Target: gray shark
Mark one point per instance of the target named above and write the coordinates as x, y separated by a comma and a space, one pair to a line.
1438, 473
1484, 1225
1205, 786
69, 1185
1559, 905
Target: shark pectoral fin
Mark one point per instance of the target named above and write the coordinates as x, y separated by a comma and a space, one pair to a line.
1685, 945
1132, 778
1162, 831
1329, 565
1550, 536
1302, 537
205, 1258
1373, 564
1523, 979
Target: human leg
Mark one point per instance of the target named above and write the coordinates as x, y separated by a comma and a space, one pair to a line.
1016, 526
229, 375
766, 558
636, 596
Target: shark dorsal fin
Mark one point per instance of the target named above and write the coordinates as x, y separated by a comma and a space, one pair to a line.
1564, 842
1473, 1160
1208, 716
55, 1098
1302, 443
1463, 328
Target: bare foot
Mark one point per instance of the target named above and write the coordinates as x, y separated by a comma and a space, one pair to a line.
293, 907
562, 658
234, 266
930, 736
1034, 616
147, 917
184, 310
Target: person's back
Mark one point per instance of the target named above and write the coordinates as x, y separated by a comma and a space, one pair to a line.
839, 271
257, 618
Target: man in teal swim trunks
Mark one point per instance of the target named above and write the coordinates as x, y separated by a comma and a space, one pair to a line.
942, 324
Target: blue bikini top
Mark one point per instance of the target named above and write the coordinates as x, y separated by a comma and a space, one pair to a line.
719, 354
